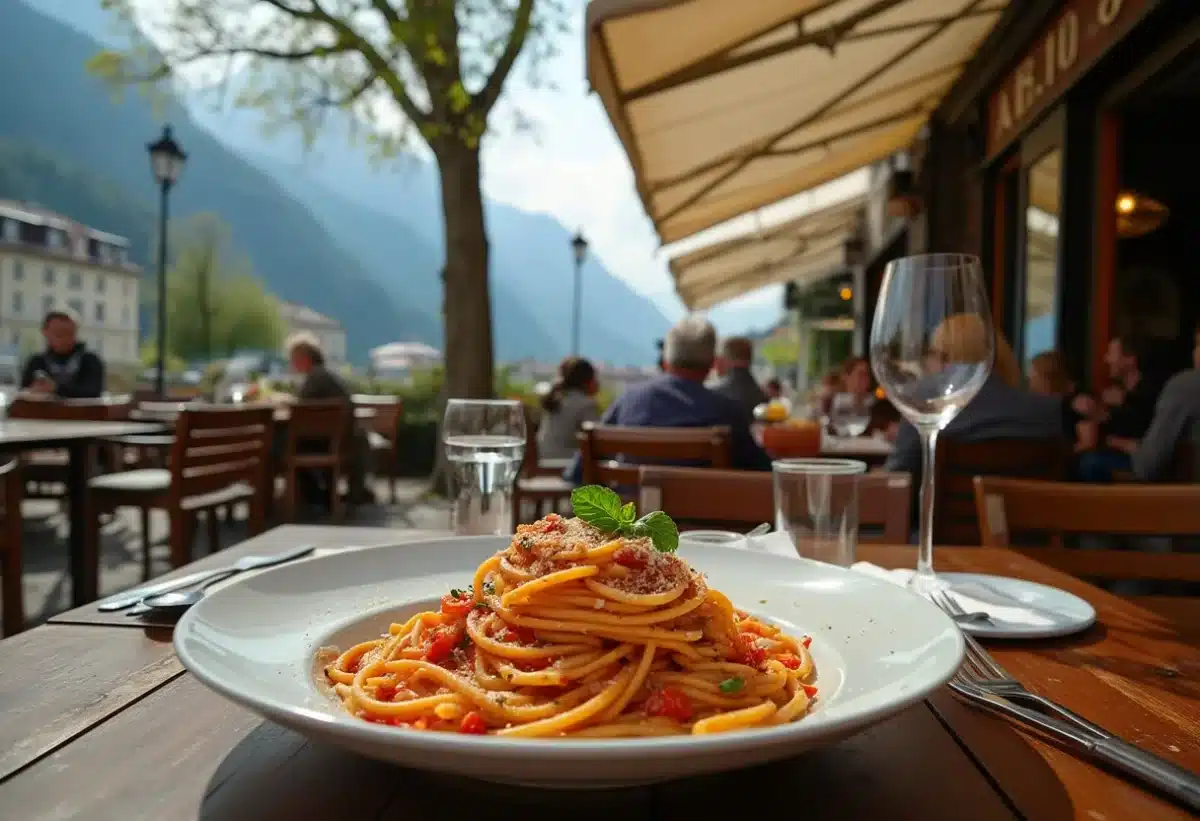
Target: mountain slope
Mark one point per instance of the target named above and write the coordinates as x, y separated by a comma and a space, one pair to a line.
49, 101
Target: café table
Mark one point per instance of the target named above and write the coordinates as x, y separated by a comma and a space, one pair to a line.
77, 437
102, 722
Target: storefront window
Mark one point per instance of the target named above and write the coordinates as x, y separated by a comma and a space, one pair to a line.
1040, 316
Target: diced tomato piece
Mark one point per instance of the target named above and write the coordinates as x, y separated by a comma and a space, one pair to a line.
518, 635
751, 654
352, 668
670, 702
789, 660
628, 557
473, 724
456, 606
443, 642
385, 692
396, 721
554, 524
806, 641
809, 690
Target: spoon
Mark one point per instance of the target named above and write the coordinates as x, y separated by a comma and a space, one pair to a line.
177, 601
760, 530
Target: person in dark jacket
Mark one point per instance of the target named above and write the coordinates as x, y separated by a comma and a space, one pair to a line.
66, 369
737, 382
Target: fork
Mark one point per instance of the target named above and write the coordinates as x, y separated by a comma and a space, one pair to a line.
982, 680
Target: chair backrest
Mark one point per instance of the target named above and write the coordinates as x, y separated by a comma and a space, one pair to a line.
955, 520
601, 446
741, 499
1034, 516
319, 422
388, 412
529, 464
216, 447
10, 487
82, 410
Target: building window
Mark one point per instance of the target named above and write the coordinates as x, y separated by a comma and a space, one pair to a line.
122, 256
47, 304
124, 316
49, 275
54, 238
100, 283
18, 269
1040, 317
18, 303
12, 230
74, 280
100, 312
76, 306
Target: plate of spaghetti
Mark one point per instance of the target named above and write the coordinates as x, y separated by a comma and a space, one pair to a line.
579, 652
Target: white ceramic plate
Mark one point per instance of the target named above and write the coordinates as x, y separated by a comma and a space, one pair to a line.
1020, 609
877, 647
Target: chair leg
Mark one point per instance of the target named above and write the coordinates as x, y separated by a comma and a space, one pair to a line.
290, 493
91, 542
13, 583
181, 534
214, 530
147, 559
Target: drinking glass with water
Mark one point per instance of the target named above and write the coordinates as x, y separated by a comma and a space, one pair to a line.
485, 445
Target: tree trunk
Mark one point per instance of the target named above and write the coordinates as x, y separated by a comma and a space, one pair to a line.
467, 307
466, 300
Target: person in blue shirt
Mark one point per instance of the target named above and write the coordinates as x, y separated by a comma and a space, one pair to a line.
678, 398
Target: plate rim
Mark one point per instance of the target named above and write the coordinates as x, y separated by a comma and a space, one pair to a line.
574, 749
1016, 633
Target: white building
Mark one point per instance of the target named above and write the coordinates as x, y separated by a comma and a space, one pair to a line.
332, 335
399, 359
49, 261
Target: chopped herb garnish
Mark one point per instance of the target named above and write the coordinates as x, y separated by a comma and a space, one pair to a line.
489, 588
464, 642
602, 508
732, 685
458, 594
479, 605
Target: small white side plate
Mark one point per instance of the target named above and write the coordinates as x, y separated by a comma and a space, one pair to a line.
1051, 612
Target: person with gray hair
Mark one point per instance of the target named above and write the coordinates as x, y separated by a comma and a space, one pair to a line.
678, 398
733, 366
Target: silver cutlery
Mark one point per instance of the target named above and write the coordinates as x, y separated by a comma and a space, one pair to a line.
131, 598
759, 530
983, 681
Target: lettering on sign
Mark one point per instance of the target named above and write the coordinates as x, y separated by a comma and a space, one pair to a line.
1072, 41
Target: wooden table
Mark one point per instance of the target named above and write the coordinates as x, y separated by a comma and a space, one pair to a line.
101, 722
19, 435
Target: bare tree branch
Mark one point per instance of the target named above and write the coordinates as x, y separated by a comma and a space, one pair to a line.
487, 96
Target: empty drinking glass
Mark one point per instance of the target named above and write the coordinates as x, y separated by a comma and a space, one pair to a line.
485, 445
932, 346
816, 504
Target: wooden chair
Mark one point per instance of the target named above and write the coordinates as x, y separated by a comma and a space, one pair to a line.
10, 548
317, 437
221, 456
44, 472
610, 454
383, 435
540, 486
955, 521
742, 499
1032, 517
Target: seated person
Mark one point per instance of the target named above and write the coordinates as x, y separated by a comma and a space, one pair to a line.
856, 397
884, 421
1003, 409
570, 403
320, 383
1048, 375
773, 389
736, 382
1176, 420
678, 398
1110, 438
66, 369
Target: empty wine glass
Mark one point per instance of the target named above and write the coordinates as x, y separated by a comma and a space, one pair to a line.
932, 346
485, 445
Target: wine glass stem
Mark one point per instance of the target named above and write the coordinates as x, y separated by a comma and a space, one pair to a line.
925, 545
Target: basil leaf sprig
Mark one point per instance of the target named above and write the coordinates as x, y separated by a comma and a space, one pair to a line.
601, 507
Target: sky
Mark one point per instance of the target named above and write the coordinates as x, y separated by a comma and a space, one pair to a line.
573, 167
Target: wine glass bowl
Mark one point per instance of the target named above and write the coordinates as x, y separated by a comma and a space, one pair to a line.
932, 348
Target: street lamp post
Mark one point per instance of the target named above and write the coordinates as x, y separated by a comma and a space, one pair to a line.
579, 246
166, 161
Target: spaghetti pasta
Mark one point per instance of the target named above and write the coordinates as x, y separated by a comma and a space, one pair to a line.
572, 631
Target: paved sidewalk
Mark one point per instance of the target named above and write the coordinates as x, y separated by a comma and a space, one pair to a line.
47, 584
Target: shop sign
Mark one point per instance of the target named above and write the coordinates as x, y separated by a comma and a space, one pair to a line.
1059, 56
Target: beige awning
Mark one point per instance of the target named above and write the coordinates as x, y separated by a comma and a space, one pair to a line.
806, 249
725, 106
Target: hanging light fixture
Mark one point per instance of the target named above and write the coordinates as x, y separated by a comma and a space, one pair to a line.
1138, 215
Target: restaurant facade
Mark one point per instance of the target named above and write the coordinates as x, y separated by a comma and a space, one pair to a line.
1066, 157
